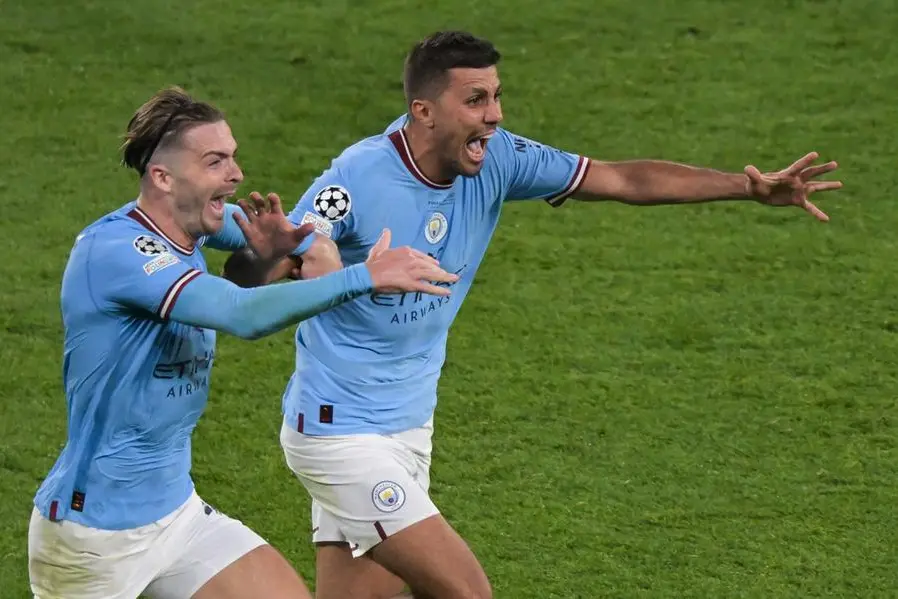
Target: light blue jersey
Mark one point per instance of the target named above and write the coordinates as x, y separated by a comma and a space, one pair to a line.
372, 365
140, 316
135, 382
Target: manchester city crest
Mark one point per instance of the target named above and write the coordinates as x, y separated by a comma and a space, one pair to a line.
388, 496
436, 228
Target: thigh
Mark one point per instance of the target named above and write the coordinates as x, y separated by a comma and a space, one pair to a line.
366, 486
212, 549
339, 575
434, 561
263, 572
70, 561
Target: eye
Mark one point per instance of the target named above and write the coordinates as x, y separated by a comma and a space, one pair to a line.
474, 100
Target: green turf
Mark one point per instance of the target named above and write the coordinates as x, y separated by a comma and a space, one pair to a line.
658, 402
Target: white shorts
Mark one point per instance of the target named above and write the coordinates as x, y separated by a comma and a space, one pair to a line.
169, 559
364, 488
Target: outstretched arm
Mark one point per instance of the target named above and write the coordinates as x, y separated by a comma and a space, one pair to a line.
214, 303
653, 182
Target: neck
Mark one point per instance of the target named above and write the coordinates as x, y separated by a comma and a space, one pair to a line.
423, 152
163, 218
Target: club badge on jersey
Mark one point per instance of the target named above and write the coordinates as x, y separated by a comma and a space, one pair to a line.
436, 228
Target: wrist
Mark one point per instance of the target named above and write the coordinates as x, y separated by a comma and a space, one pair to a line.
304, 246
361, 278
745, 186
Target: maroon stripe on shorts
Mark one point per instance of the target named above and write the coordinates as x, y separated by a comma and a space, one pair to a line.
380, 530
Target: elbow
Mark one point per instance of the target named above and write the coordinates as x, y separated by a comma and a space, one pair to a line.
249, 332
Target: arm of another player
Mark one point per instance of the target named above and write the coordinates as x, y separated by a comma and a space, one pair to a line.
654, 182
230, 237
137, 272
245, 269
327, 206
211, 302
540, 171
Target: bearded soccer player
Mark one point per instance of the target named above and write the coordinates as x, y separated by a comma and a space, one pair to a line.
118, 516
358, 410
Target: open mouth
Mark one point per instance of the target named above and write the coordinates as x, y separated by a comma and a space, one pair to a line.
217, 203
476, 146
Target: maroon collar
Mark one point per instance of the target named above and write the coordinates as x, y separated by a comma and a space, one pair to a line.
144, 219
400, 142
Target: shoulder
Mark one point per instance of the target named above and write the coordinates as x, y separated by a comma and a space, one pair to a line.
370, 158
119, 240
506, 143
359, 175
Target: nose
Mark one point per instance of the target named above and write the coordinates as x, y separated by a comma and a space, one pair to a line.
236, 174
493, 114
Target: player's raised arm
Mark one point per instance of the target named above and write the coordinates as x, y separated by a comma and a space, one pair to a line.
652, 182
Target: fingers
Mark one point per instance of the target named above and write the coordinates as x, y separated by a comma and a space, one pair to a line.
274, 202
302, 232
432, 289
815, 171
801, 164
815, 212
259, 204
436, 274
425, 278
754, 174
759, 184
823, 186
382, 244
250, 213
422, 256
242, 222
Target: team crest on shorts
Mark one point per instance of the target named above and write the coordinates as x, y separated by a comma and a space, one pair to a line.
436, 227
149, 246
388, 496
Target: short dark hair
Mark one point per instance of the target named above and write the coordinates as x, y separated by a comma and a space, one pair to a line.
161, 122
428, 62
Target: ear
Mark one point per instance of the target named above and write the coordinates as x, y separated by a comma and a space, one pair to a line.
160, 176
422, 112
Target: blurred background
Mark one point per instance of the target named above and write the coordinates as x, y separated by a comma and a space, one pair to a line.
638, 402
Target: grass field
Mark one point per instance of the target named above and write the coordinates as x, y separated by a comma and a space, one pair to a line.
658, 402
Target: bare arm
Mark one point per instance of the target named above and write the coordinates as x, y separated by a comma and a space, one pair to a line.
652, 182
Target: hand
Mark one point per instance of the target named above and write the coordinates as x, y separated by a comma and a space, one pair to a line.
245, 269
321, 258
792, 186
266, 228
405, 269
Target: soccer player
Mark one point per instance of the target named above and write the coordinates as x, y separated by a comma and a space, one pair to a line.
358, 410
118, 515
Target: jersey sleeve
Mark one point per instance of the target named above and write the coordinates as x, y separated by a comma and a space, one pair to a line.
327, 204
230, 237
137, 272
535, 171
